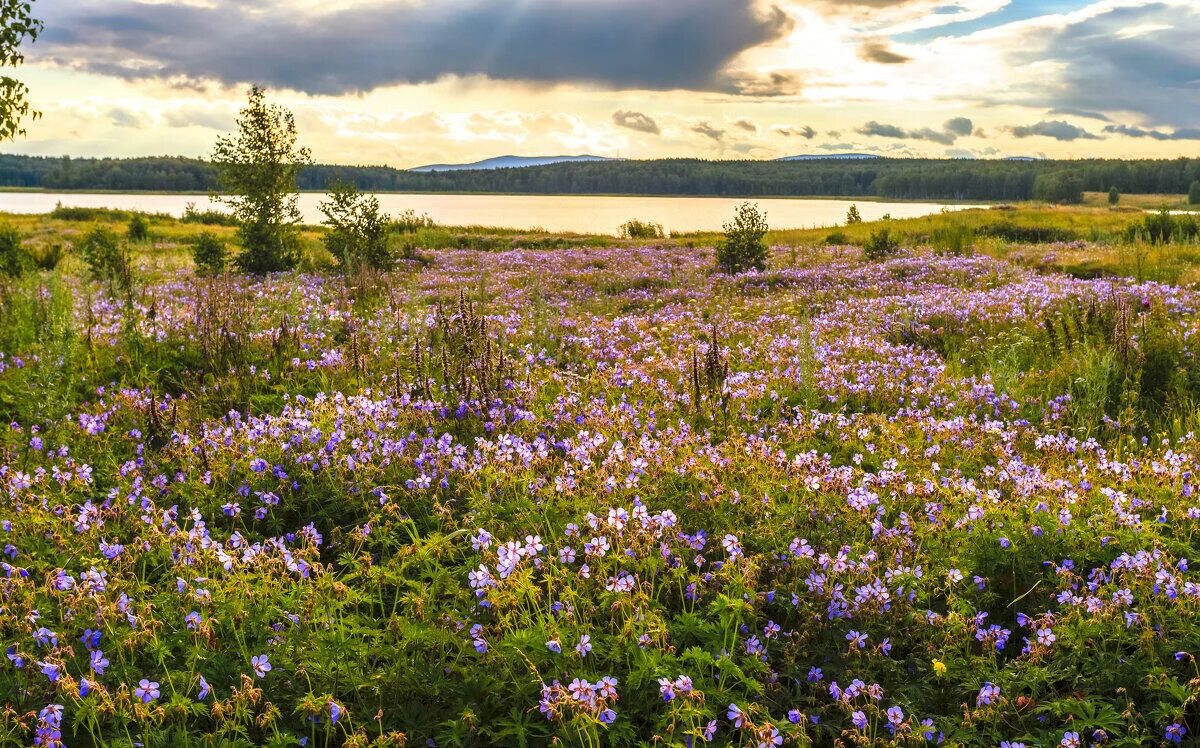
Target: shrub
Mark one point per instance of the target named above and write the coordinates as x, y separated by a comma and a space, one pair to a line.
139, 229
635, 229
1114, 196
953, 239
107, 259
358, 231
47, 256
1194, 193
409, 222
207, 217
76, 213
834, 238
14, 260
744, 246
880, 246
208, 252
852, 216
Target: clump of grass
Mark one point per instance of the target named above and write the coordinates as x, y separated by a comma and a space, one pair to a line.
635, 229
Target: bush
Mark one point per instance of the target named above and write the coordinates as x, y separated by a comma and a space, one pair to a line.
1012, 232
635, 229
107, 259
1194, 193
744, 246
139, 228
1114, 196
835, 238
209, 254
14, 260
207, 217
880, 246
953, 239
409, 222
852, 216
75, 213
358, 231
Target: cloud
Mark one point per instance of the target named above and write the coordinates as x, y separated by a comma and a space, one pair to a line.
624, 44
123, 117
1184, 133
878, 51
1057, 129
1130, 58
881, 130
1072, 112
776, 83
959, 126
636, 121
805, 132
747, 125
195, 116
708, 131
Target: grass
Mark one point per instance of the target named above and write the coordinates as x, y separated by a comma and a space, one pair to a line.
600, 494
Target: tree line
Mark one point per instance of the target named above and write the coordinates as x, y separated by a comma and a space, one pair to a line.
957, 179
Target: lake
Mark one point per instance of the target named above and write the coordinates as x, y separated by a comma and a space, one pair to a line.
559, 213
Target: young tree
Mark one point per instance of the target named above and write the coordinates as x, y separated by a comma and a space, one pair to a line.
1194, 193
852, 216
16, 25
209, 254
257, 169
358, 231
744, 246
1114, 196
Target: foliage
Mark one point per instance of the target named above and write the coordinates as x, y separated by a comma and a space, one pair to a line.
358, 231
209, 254
207, 217
880, 246
957, 179
852, 216
17, 25
257, 167
139, 229
1062, 187
1114, 196
635, 229
1161, 227
744, 245
1194, 193
15, 261
409, 222
106, 258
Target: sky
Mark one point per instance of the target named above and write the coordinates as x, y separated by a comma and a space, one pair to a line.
409, 82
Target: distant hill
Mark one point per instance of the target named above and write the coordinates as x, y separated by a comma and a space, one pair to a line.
829, 157
510, 162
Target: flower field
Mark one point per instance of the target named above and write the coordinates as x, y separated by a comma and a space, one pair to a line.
598, 497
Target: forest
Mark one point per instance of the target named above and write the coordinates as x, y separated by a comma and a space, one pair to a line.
943, 179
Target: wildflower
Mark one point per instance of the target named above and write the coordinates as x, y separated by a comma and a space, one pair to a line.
584, 646
607, 716
147, 690
1046, 637
666, 688
261, 665
939, 668
859, 718
1175, 732
335, 712
856, 639
554, 646
98, 662
987, 694
735, 715
204, 689
1070, 740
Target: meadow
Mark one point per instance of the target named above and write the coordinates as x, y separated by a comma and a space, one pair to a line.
573, 490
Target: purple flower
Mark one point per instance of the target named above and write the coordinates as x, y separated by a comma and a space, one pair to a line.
204, 689
335, 712
607, 717
735, 715
1175, 732
147, 690
859, 719
988, 694
261, 665
584, 646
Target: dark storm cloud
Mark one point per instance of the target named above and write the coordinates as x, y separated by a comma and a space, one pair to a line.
1183, 133
1057, 129
636, 121
878, 51
618, 43
1107, 66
